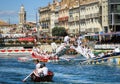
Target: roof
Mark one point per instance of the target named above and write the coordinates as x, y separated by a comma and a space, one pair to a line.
3, 23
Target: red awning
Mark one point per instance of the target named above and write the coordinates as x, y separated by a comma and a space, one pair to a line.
30, 39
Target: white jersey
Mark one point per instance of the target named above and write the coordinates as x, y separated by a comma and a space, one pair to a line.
117, 50
66, 39
45, 71
38, 65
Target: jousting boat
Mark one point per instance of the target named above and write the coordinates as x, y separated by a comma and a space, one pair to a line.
44, 58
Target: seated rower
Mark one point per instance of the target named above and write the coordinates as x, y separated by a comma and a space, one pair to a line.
42, 71
45, 70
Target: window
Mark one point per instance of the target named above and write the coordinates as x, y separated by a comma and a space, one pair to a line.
118, 8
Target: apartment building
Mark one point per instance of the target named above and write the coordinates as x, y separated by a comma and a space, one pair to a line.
55, 7
63, 14
104, 10
74, 17
81, 16
90, 16
45, 19
114, 15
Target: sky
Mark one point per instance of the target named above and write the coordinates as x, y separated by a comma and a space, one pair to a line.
9, 9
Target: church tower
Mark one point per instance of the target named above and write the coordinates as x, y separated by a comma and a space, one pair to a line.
22, 17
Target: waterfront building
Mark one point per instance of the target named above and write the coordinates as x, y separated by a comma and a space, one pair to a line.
105, 24
74, 17
90, 16
81, 16
22, 18
45, 18
114, 15
64, 14
54, 15
3, 24
56, 12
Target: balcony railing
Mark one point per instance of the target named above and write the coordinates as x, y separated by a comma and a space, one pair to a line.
114, 1
56, 21
115, 22
71, 19
115, 11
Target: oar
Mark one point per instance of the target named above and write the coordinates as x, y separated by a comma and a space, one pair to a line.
27, 77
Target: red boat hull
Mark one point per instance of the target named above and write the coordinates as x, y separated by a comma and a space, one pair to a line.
43, 59
40, 58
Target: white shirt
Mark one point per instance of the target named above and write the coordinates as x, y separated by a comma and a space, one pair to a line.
40, 70
117, 50
38, 65
66, 38
45, 71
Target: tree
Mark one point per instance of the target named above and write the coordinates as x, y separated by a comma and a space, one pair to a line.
59, 31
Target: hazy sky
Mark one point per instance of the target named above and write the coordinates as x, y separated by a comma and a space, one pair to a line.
9, 9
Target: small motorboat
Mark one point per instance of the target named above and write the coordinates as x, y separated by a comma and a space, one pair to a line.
47, 78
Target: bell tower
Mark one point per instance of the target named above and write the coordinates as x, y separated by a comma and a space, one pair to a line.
22, 17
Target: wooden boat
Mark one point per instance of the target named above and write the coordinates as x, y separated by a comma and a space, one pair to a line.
47, 78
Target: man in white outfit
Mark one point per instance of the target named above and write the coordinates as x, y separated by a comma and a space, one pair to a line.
37, 64
66, 39
79, 40
116, 50
45, 70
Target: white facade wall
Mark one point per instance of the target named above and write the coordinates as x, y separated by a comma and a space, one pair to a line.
105, 13
90, 13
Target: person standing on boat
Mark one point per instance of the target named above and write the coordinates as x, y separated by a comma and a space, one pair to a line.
66, 39
79, 40
116, 50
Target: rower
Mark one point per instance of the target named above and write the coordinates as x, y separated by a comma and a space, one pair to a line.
45, 70
37, 64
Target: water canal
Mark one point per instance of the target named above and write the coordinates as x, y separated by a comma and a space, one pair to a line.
13, 72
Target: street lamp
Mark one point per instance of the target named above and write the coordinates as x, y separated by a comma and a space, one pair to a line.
78, 1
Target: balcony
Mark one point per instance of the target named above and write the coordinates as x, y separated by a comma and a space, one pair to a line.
63, 18
114, 1
76, 18
71, 19
56, 21
96, 15
47, 19
115, 11
116, 22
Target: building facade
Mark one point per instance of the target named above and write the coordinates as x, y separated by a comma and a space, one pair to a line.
44, 19
105, 24
81, 16
90, 16
114, 15
74, 17
64, 14
54, 15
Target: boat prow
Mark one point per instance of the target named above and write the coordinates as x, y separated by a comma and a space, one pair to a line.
47, 78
